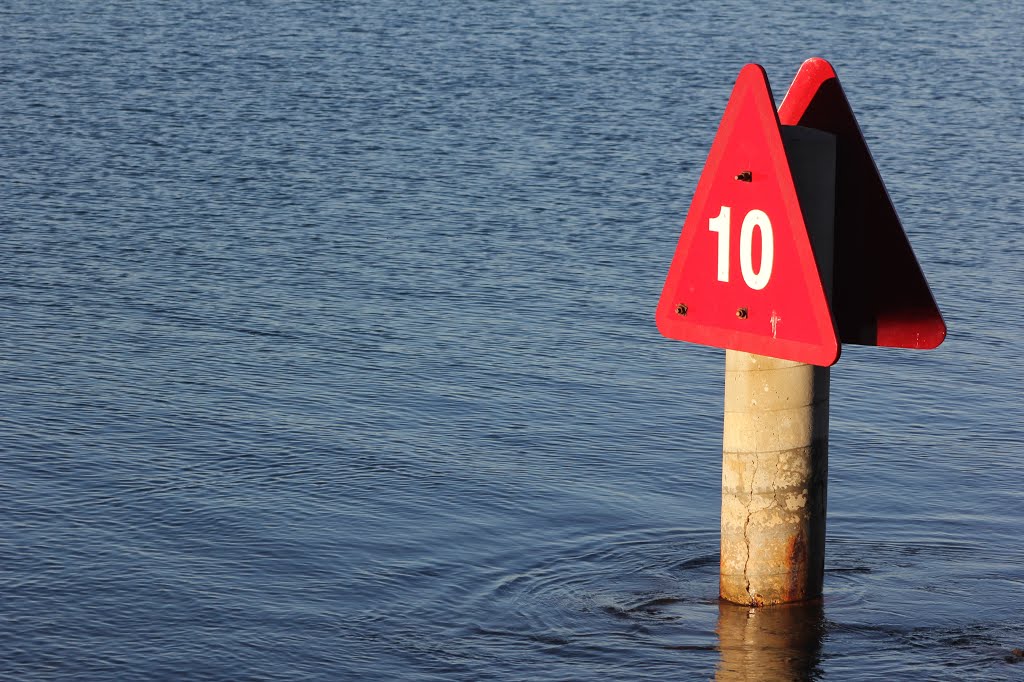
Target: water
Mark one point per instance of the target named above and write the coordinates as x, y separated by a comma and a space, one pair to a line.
328, 345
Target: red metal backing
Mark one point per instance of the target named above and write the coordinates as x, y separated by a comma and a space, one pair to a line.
880, 296
787, 316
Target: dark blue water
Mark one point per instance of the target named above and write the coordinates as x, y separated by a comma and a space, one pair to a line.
329, 354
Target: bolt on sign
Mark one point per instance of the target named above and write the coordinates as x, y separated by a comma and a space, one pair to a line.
749, 275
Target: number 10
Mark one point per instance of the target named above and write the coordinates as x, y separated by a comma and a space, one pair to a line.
754, 218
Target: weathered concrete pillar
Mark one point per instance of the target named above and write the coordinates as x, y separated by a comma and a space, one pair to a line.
775, 436
774, 479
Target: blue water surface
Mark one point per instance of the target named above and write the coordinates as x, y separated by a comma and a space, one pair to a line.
329, 354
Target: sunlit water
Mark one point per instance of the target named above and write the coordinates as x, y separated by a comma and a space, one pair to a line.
329, 354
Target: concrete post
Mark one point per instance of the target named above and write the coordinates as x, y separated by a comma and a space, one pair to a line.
774, 479
775, 436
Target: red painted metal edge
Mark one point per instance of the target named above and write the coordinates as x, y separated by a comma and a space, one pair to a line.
880, 295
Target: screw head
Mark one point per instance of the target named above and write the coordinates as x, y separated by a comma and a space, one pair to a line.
681, 309
745, 176
741, 313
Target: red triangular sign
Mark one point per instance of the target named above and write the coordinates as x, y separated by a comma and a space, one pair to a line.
744, 274
880, 296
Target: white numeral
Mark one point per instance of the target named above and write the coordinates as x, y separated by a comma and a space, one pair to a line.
720, 224
758, 280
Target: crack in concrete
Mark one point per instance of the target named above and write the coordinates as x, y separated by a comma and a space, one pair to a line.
775, 481
746, 524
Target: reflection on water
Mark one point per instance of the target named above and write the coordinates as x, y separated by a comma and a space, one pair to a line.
769, 643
